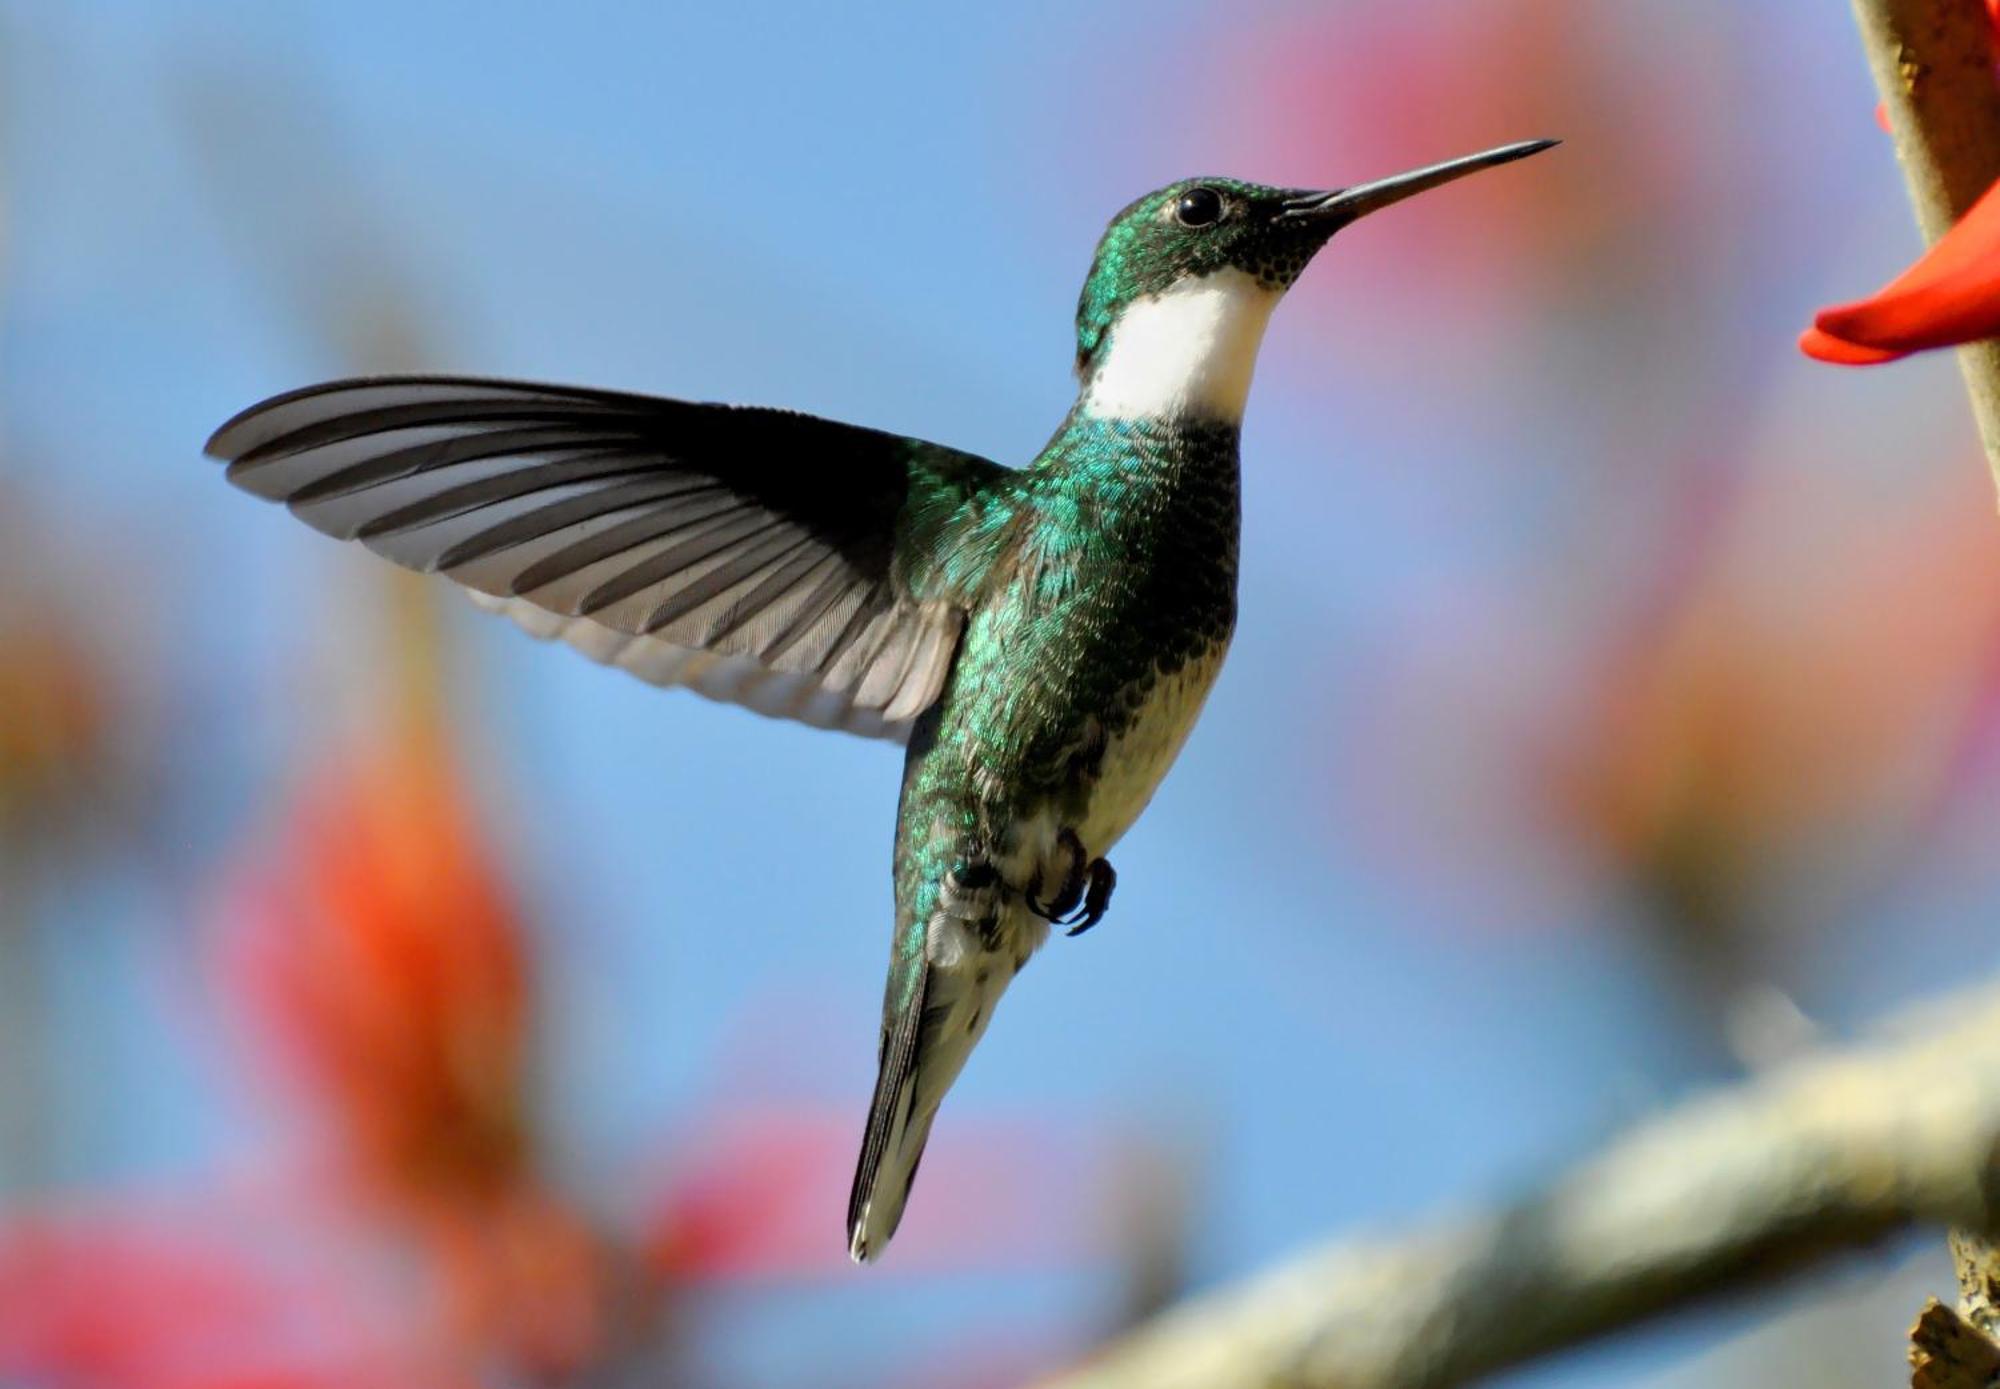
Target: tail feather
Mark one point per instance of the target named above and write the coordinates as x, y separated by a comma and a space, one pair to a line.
935, 1022
872, 1213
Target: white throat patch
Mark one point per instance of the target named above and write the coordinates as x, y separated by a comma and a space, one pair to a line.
1188, 351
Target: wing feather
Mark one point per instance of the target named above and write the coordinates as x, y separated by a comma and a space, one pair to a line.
749, 555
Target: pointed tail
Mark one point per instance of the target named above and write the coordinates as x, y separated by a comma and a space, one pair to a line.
940, 1002
891, 1145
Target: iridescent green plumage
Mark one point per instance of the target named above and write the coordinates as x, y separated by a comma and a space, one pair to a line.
1102, 574
1042, 638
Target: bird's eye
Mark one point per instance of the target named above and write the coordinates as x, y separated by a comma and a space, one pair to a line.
1198, 207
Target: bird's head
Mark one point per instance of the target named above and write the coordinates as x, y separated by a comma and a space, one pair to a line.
1186, 277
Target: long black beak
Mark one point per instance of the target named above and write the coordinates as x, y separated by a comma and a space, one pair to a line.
1344, 205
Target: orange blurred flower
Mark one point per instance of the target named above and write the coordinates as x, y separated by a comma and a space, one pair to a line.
54, 734
1756, 724
1949, 296
67, 749
382, 952
1772, 715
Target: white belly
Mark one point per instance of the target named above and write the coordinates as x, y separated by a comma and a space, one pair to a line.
1136, 761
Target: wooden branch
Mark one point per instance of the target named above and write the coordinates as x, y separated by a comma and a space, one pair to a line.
1955, 1349
1834, 1152
1978, 1264
1948, 1352
1933, 64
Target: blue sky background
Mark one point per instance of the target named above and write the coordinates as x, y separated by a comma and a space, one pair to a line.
883, 217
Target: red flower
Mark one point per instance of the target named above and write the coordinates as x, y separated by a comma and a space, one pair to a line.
383, 954
383, 951
1782, 721
1951, 295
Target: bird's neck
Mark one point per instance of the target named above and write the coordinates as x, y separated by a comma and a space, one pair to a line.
1185, 354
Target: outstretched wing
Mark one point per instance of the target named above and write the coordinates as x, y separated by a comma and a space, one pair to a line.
750, 555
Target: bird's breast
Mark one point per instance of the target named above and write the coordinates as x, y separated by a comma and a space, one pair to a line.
1138, 754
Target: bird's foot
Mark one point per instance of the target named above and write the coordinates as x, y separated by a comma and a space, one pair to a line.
1075, 880
1085, 893
1097, 900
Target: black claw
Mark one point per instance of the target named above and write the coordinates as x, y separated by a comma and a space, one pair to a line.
1062, 909
1103, 878
1067, 902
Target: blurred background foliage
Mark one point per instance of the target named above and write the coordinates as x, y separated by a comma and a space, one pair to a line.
386, 999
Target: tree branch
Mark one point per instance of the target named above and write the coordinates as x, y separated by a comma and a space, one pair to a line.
1933, 64
1830, 1153
1978, 1265
1955, 1349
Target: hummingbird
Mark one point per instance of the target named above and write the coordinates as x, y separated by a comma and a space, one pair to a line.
1041, 638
